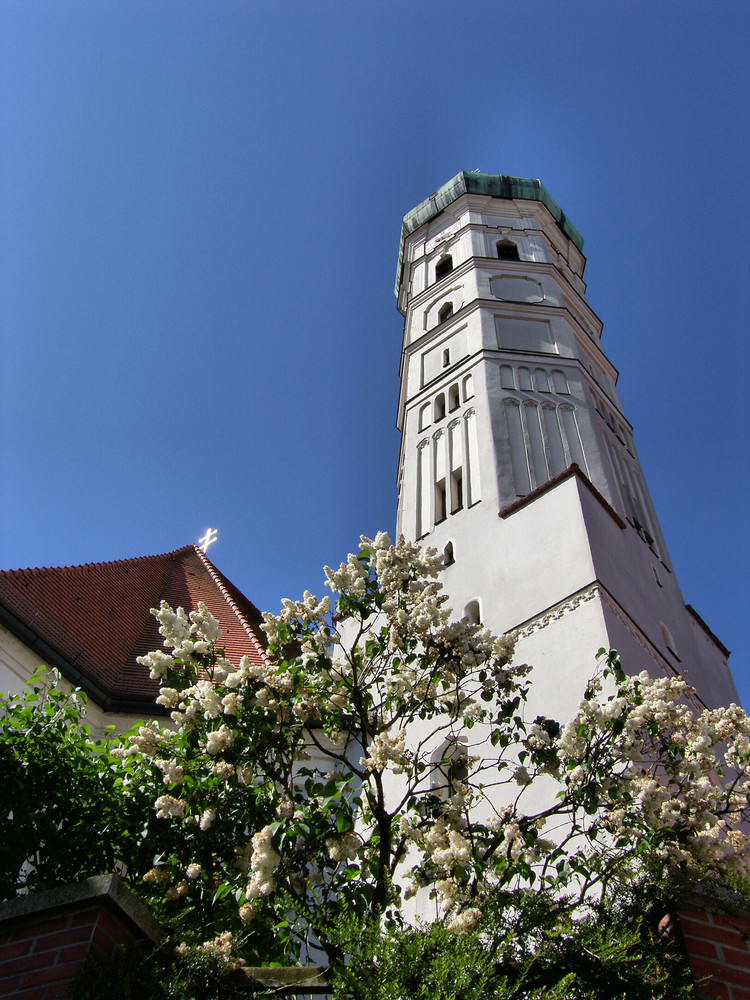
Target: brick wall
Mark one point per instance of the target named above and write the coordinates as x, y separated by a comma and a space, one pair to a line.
46, 938
718, 947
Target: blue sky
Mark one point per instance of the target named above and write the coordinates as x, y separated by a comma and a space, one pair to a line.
201, 206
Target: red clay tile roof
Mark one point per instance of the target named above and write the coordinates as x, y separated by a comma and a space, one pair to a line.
94, 620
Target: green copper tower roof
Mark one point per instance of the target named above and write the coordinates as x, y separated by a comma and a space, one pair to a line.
491, 185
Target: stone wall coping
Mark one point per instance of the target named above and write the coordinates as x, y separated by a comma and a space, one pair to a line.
718, 899
311, 979
109, 890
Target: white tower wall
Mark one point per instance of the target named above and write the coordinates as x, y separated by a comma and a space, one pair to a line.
516, 458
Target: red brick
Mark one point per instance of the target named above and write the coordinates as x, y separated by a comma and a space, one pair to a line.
739, 993
717, 919
31, 961
8, 984
742, 924
35, 928
721, 973
51, 942
74, 953
40, 993
108, 922
85, 917
733, 956
731, 974
14, 948
104, 945
706, 933
704, 967
115, 931
713, 991
52, 974
697, 946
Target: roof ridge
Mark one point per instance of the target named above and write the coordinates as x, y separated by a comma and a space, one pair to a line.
92, 565
215, 575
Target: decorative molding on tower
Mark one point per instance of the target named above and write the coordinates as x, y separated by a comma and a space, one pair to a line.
557, 612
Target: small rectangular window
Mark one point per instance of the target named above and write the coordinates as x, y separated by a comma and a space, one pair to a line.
444, 266
507, 250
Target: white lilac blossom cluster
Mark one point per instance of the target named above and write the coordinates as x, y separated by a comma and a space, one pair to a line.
221, 949
187, 635
371, 689
466, 921
344, 848
398, 583
263, 862
385, 748
671, 770
637, 768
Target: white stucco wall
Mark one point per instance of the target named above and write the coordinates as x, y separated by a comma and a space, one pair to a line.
18, 663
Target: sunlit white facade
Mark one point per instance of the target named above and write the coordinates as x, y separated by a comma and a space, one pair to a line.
517, 460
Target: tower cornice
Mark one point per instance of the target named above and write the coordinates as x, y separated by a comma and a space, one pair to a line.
492, 186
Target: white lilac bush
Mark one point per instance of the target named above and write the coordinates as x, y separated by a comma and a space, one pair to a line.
382, 751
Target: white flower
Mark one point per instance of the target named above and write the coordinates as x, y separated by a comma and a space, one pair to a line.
158, 662
205, 624
343, 848
384, 748
208, 698
167, 806
207, 818
174, 624
230, 703
168, 697
173, 772
466, 921
521, 776
176, 891
263, 861
219, 740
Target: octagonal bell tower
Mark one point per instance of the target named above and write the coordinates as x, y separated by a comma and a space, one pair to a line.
517, 461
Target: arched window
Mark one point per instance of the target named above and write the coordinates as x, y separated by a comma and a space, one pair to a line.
457, 490
453, 400
507, 250
560, 383
468, 387
424, 416
472, 614
669, 640
441, 502
439, 406
448, 555
450, 767
444, 266
445, 312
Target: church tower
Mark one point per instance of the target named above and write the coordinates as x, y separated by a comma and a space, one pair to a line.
517, 461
